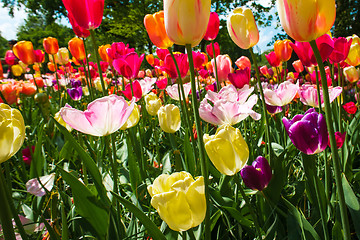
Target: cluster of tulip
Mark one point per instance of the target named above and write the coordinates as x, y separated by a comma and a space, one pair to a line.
122, 151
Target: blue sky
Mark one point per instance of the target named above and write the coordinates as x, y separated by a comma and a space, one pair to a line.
9, 25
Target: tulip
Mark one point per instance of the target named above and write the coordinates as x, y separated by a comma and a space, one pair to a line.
353, 57
10, 92
59, 119
155, 27
133, 119
129, 66
341, 49
153, 103
350, 108
51, 66
170, 68
118, 50
243, 62
51, 45
75, 93
76, 47
87, 13
12, 131
258, 175
306, 20
79, 31
147, 84
209, 49
10, 57
28, 89
308, 95
273, 59
283, 49
169, 118
63, 56
240, 77
308, 132
102, 117
162, 83
265, 71
17, 70
103, 53
242, 28
213, 27
36, 188
298, 66
223, 64
24, 50
39, 56
199, 59
162, 53
186, 21
179, 200
339, 138
227, 149
27, 154
173, 91
136, 89
351, 74
282, 95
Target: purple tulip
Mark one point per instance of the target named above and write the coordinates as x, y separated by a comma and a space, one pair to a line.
75, 93
307, 132
258, 175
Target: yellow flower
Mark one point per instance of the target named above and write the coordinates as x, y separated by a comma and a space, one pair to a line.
179, 200
133, 118
12, 131
227, 150
153, 103
59, 119
353, 57
63, 56
169, 118
242, 28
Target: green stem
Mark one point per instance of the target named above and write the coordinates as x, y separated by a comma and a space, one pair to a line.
204, 164
335, 157
87, 70
264, 113
5, 213
3, 98
218, 86
92, 35
57, 78
318, 88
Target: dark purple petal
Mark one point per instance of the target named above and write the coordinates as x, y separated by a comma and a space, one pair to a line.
265, 170
75, 93
251, 178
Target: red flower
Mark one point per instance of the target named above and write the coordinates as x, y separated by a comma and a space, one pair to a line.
350, 107
339, 138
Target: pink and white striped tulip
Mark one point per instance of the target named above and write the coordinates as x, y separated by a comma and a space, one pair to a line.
103, 116
308, 95
282, 95
173, 91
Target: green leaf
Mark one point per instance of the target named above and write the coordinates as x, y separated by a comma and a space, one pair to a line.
353, 204
189, 154
88, 205
166, 162
36, 167
152, 229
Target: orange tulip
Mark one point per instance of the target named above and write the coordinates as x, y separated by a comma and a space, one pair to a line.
24, 50
28, 88
155, 26
150, 59
306, 20
76, 47
51, 66
51, 45
103, 54
283, 50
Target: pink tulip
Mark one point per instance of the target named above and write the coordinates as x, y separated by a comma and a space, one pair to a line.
199, 59
213, 27
161, 53
209, 49
223, 63
173, 91
273, 59
147, 84
87, 14
103, 116
240, 77
282, 95
136, 87
308, 95
79, 31
118, 50
313, 78
10, 57
243, 62
129, 66
231, 94
341, 49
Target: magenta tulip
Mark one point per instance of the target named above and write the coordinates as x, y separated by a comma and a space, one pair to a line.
273, 59
341, 49
258, 175
213, 27
129, 66
169, 65
209, 49
240, 77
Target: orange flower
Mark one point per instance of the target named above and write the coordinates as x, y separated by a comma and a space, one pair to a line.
76, 47
10, 92
51, 45
28, 88
103, 54
150, 59
51, 66
283, 50
154, 24
24, 50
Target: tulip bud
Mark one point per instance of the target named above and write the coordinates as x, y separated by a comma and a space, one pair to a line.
63, 56
169, 118
76, 47
213, 27
153, 103
12, 131
209, 49
179, 200
243, 62
308, 132
17, 70
186, 20
298, 66
353, 57
242, 28
51, 45
351, 74
155, 27
258, 175
227, 149
283, 50
306, 20
223, 64
133, 119
24, 50
39, 56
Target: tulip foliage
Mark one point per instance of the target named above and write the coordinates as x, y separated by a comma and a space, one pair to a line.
191, 146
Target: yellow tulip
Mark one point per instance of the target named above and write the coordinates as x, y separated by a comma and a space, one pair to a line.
17, 70
227, 150
153, 103
63, 56
133, 119
12, 131
306, 20
242, 28
353, 57
169, 118
186, 21
179, 200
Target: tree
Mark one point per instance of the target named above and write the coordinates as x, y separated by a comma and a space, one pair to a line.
347, 20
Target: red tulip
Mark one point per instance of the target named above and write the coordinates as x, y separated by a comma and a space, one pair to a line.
240, 77
79, 31
341, 49
209, 50
169, 65
213, 27
350, 107
129, 66
39, 56
273, 59
136, 87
